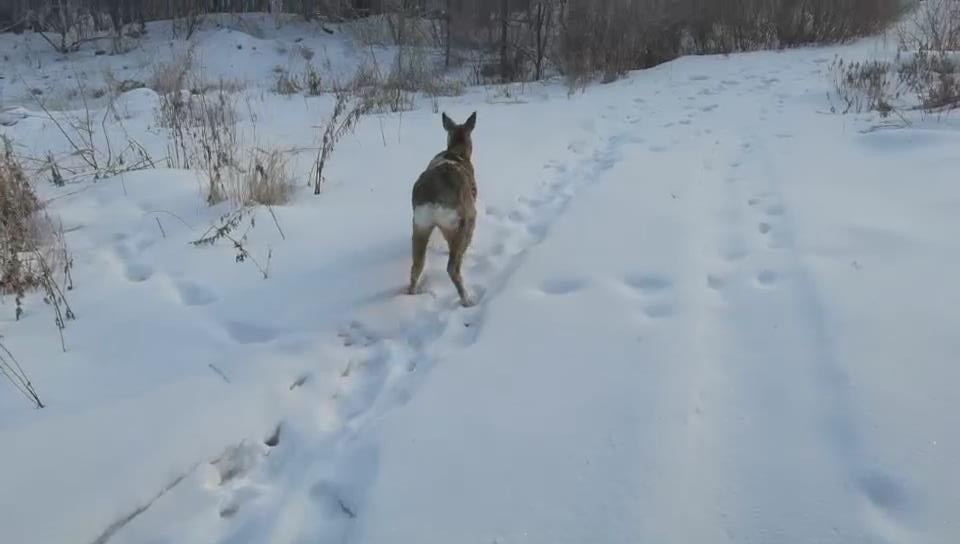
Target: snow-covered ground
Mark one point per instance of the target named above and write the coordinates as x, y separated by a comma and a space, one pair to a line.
709, 311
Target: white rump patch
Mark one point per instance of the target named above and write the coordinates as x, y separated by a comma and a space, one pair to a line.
428, 215
440, 161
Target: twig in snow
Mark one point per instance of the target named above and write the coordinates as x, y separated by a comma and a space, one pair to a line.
13, 372
126, 519
214, 368
276, 222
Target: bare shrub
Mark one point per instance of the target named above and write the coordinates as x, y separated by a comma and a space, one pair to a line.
935, 79
932, 78
865, 86
188, 22
350, 104
215, 139
31, 250
88, 137
202, 133
71, 21
933, 26
227, 228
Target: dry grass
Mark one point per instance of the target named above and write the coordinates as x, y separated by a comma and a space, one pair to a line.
33, 252
305, 52
932, 79
286, 84
169, 77
202, 133
266, 180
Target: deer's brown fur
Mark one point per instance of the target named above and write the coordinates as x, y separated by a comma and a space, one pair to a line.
445, 197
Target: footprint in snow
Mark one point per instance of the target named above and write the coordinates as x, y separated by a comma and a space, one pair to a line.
767, 278
658, 311
647, 283
137, 272
716, 282
562, 286
194, 294
248, 333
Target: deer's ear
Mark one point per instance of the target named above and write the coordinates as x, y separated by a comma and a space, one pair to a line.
448, 123
471, 122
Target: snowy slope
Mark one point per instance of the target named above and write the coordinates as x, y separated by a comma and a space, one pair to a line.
710, 311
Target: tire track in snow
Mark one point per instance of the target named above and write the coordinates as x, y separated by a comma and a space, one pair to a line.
886, 505
781, 389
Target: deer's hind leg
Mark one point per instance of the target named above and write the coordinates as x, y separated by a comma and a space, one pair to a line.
421, 237
458, 240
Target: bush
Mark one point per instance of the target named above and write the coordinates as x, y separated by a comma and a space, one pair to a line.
933, 26
865, 86
32, 252
18, 229
933, 79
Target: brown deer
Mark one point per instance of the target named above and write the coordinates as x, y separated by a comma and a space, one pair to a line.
445, 196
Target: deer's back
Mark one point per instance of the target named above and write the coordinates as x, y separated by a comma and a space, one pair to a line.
447, 183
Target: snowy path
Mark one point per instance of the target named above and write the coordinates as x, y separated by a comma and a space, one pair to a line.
707, 313
671, 376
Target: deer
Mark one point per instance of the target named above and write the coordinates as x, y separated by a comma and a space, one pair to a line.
445, 197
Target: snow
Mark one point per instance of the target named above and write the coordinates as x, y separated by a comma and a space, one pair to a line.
709, 311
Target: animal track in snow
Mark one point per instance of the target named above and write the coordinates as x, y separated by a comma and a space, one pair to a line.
884, 493
767, 277
238, 498
775, 210
659, 310
137, 272
248, 333
562, 286
715, 282
733, 254
647, 283
194, 294
326, 495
